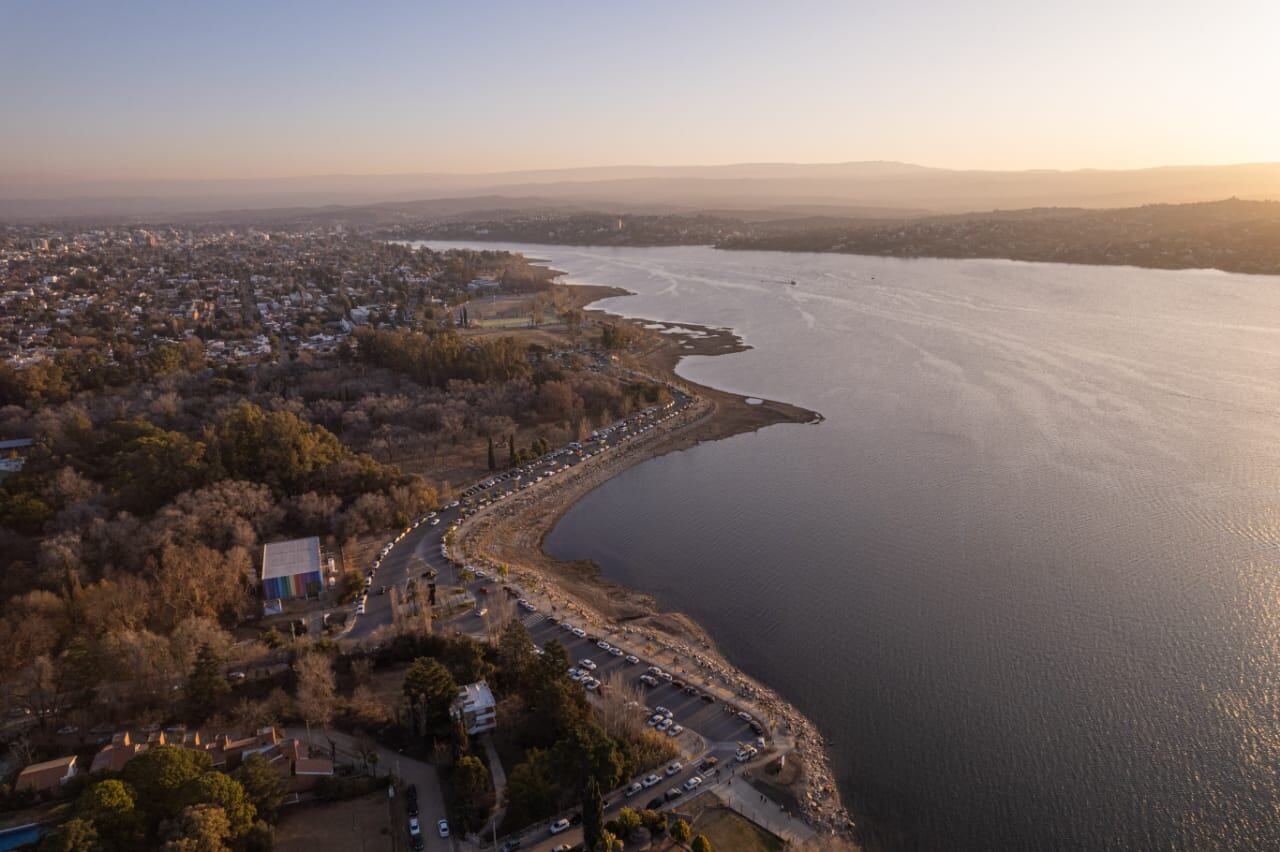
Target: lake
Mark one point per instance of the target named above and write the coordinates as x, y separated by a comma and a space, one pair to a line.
1024, 574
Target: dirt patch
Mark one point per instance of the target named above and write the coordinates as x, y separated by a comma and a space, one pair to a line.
363, 823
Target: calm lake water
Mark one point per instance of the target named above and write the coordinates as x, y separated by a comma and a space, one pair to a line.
1025, 574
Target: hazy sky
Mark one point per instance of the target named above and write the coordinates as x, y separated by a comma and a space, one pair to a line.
123, 89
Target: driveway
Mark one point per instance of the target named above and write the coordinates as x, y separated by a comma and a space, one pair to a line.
406, 769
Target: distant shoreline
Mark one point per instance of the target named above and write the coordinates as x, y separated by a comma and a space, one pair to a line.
1232, 236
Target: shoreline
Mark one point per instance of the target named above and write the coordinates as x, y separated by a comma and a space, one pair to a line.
514, 533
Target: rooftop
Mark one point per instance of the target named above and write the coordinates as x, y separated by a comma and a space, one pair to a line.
476, 696
286, 558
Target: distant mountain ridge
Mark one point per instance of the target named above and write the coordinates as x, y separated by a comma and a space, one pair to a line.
885, 186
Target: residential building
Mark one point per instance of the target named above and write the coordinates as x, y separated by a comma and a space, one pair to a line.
476, 708
48, 776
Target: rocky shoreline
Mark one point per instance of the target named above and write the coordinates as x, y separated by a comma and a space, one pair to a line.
511, 534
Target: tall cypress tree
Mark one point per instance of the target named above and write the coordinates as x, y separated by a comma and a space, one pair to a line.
511, 450
592, 814
493, 458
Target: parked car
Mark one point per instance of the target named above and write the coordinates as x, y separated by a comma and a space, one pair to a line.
633, 789
559, 826
414, 828
443, 827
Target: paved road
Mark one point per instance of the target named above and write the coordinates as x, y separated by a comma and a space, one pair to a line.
711, 731
418, 549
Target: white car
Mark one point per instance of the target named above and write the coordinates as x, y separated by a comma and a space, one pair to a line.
579, 632
633, 789
559, 826
675, 730
566, 626
576, 675
443, 827
435, 521
591, 684
675, 769
655, 719
603, 645
617, 652
692, 783
414, 828
650, 780
632, 659
664, 724
587, 664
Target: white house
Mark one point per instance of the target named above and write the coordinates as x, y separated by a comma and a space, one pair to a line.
476, 708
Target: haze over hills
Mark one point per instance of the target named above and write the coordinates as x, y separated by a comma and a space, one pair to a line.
866, 188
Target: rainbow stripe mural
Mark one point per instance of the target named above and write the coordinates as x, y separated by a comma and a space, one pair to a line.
293, 586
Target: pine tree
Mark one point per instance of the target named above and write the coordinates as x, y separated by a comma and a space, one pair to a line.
205, 685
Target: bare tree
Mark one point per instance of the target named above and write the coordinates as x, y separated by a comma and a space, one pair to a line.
317, 700
621, 708
501, 611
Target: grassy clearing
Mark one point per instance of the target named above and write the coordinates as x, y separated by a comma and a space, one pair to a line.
726, 829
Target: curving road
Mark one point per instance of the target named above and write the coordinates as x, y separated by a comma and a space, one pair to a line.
419, 548
712, 728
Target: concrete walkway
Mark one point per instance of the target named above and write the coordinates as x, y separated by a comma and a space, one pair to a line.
760, 809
